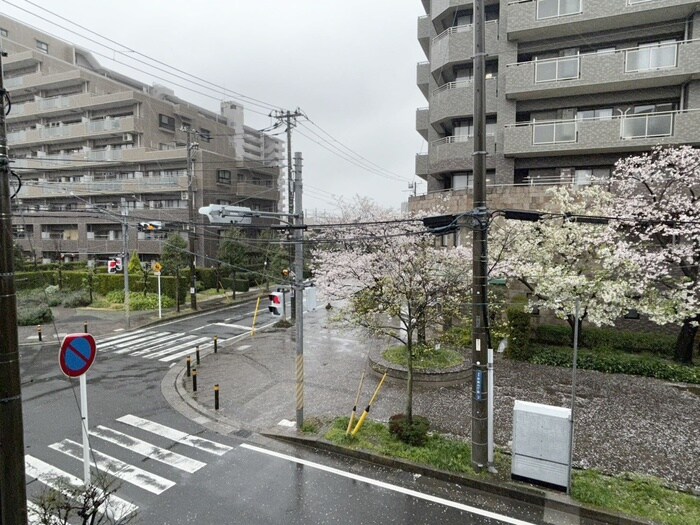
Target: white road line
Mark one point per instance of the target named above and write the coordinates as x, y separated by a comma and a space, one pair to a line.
116, 509
131, 339
34, 515
237, 326
166, 343
147, 341
176, 435
189, 351
129, 473
148, 450
389, 486
107, 340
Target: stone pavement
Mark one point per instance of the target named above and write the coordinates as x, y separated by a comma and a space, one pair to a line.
623, 423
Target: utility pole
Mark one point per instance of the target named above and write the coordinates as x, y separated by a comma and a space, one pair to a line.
480, 338
13, 492
299, 288
192, 230
290, 119
125, 262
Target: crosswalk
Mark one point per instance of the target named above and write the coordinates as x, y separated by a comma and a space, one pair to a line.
136, 441
152, 344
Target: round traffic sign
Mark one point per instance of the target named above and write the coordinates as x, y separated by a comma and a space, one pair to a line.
77, 354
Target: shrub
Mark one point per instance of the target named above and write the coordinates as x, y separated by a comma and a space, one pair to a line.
115, 296
76, 299
519, 340
614, 362
458, 338
414, 434
33, 315
149, 302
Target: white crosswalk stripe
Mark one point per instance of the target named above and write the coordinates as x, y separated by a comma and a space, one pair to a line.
176, 435
117, 468
148, 450
57, 479
151, 344
35, 515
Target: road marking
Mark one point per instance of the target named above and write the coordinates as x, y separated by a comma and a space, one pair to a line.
146, 340
106, 340
184, 342
190, 350
148, 450
237, 326
176, 435
389, 486
129, 473
116, 509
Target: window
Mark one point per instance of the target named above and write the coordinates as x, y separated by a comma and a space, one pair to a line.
554, 8
595, 114
463, 18
3, 32
204, 135
463, 181
465, 127
42, 46
223, 176
166, 122
651, 56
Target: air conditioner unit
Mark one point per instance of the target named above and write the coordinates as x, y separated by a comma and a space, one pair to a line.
128, 137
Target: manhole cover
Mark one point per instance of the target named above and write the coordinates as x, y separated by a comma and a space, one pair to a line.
243, 433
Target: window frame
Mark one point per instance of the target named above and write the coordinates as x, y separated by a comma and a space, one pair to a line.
166, 122
224, 176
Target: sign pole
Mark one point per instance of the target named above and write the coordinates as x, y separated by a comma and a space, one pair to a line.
160, 309
84, 417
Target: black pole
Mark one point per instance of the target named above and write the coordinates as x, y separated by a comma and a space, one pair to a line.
216, 397
479, 292
194, 380
13, 493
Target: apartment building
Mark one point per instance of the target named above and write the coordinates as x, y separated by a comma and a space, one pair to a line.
92, 145
571, 86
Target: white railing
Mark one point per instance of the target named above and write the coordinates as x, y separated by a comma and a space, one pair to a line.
556, 8
647, 125
54, 103
453, 138
459, 29
651, 57
554, 132
555, 69
633, 2
453, 85
11, 83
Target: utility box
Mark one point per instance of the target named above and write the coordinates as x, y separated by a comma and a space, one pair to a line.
541, 443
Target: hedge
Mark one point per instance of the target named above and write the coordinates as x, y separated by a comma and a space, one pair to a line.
519, 346
618, 363
607, 338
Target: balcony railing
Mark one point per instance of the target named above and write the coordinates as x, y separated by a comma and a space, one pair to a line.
633, 2
647, 125
651, 57
459, 29
453, 85
557, 8
555, 69
554, 132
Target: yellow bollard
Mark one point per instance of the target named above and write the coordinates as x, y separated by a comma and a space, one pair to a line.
354, 409
255, 317
366, 412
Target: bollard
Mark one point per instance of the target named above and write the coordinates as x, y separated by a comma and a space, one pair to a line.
189, 366
194, 380
216, 343
216, 397
197, 354
85, 327
38, 331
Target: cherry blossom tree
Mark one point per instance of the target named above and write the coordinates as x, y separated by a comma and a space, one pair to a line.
562, 260
387, 275
659, 193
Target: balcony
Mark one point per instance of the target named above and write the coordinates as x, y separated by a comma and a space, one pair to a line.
72, 132
47, 189
456, 99
422, 121
621, 70
425, 33
539, 19
35, 81
605, 135
21, 60
438, 7
456, 153
49, 107
423, 78
91, 157
456, 44
257, 191
422, 169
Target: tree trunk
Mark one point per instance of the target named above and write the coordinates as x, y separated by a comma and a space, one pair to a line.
572, 321
421, 329
233, 285
409, 378
686, 341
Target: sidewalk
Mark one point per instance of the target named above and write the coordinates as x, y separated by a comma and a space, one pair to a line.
623, 423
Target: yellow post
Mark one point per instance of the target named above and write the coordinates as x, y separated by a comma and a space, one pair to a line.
354, 408
255, 317
366, 412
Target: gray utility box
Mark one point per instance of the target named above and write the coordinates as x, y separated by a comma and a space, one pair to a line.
541, 442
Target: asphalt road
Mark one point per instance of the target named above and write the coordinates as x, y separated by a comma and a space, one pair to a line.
172, 470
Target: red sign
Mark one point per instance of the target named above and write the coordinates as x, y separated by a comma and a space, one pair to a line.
77, 354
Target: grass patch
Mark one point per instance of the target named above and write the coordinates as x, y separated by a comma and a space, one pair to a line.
640, 496
426, 358
438, 451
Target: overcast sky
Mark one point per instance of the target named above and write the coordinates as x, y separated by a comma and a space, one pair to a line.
349, 65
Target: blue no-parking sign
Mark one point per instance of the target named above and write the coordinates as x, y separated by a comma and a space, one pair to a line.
77, 354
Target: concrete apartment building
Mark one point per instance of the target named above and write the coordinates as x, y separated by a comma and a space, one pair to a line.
83, 138
572, 86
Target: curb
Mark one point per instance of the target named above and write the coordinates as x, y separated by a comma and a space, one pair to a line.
552, 503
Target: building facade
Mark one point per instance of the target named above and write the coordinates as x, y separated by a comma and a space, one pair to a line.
92, 145
571, 86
